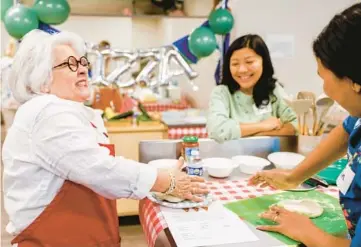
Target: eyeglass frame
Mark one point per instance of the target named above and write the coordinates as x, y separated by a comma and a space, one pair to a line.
77, 63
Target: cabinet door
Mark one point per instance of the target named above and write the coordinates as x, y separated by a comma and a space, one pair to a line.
127, 144
127, 207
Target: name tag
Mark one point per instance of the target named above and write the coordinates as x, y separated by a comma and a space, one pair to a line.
263, 109
357, 124
345, 179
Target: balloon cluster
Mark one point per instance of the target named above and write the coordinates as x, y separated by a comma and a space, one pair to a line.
202, 41
162, 64
19, 19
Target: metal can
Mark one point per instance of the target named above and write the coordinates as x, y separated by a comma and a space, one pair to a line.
190, 148
195, 168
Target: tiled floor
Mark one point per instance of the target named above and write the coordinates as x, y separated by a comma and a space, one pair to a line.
131, 232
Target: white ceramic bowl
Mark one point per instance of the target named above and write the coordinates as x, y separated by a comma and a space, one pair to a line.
250, 164
164, 163
285, 160
219, 167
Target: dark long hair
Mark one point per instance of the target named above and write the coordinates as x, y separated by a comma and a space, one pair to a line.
263, 90
338, 46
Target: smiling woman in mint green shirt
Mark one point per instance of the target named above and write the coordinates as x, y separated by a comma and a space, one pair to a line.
248, 101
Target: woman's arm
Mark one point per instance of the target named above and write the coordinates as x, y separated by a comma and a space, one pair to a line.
300, 228
319, 238
250, 129
264, 128
287, 130
162, 181
329, 150
220, 126
67, 147
284, 113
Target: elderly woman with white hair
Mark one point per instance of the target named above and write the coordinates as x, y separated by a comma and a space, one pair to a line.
61, 178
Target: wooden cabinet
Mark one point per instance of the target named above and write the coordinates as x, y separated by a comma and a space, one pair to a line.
126, 140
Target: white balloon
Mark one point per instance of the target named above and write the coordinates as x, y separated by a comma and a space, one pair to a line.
98, 70
162, 61
168, 55
115, 75
145, 74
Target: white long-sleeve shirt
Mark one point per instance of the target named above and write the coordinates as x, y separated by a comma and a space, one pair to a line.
52, 140
7, 99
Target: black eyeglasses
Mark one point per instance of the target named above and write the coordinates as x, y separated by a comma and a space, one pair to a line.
73, 63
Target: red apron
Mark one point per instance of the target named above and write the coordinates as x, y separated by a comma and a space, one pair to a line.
76, 217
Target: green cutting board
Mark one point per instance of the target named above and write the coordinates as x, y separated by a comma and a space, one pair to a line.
332, 220
331, 173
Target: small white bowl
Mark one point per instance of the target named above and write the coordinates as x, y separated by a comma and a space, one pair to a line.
285, 160
250, 164
219, 167
164, 163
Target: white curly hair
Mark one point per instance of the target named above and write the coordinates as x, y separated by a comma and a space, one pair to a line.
34, 60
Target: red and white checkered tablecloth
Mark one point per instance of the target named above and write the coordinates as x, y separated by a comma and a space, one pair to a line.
180, 132
153, 222
158, 107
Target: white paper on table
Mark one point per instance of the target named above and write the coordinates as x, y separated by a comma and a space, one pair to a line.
216, 226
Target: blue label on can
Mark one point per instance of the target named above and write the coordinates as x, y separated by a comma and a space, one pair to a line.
195, 171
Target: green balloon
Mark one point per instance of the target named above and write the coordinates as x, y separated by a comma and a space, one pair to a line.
221, 21
52, 12
19, 20
5, 5
202, 42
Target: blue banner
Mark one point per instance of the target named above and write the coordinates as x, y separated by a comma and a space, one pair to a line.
46, 28
183, 47
225, 45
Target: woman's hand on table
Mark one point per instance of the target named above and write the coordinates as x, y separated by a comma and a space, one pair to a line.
188, 187
293, 225
185, 187
272, 123
275, 178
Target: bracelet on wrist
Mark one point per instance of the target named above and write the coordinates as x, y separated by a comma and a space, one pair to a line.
172, 184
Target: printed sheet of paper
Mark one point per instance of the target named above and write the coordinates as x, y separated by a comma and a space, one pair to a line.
214, 226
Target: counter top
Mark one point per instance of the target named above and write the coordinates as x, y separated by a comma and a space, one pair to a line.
153, 127
184, 120
183, 123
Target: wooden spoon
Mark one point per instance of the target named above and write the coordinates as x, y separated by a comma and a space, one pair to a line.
311, 96
301, 107
324, 105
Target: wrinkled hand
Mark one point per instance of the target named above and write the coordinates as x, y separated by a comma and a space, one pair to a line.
275, 178
293, 225
272, 123
188, 187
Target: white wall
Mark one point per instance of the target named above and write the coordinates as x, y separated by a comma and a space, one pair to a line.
303, 19
117, 30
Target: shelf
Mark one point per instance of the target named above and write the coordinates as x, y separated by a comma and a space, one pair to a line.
116, 8
142, 16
